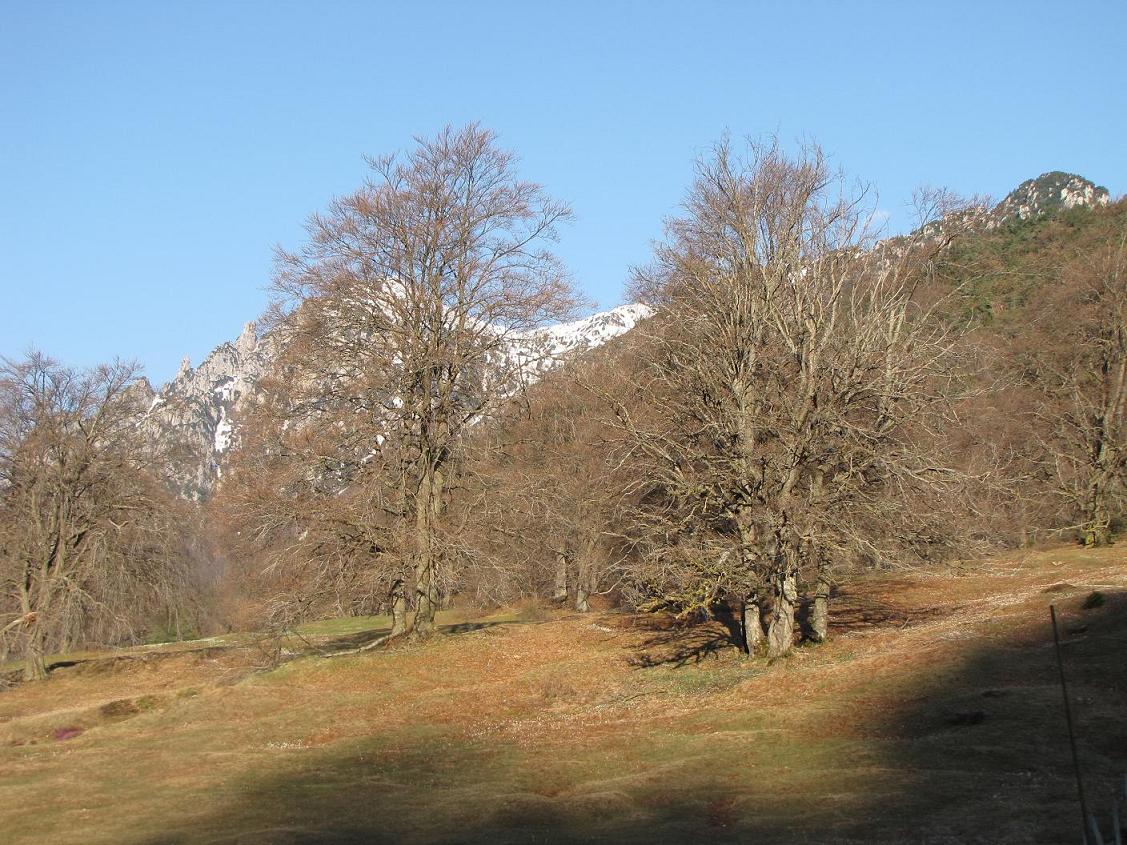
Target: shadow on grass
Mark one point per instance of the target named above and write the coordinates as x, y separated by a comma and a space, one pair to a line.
438, 796
350, 642
679, 643
683, 643
467, 627
967, 750
857, 608
979, 746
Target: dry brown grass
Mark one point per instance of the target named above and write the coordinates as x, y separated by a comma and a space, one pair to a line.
931, 716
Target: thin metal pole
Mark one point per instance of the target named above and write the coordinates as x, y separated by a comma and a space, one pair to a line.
1071, 732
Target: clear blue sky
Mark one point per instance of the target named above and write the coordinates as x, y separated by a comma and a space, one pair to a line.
152, 153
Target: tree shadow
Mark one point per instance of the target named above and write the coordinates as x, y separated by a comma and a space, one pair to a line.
856, 608
345, 642
981, 748
350, 642
727, 616
385, 795
674, 642
467, 627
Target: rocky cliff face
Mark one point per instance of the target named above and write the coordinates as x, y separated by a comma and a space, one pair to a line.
199, 410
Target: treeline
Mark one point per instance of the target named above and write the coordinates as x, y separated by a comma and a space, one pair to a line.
94, 547
806, 402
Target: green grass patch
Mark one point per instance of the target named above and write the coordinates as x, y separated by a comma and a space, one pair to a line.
343, 626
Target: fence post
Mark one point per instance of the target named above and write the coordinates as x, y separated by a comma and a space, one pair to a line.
1097, 837
1071, 732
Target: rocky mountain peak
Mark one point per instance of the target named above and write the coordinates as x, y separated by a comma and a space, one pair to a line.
247, 341
197, 410
1049, 193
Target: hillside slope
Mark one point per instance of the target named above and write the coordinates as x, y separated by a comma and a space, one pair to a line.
1001, 271
934, 715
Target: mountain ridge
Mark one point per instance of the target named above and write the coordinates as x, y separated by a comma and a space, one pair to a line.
199, 408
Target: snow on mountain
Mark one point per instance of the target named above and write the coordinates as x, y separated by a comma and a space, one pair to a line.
199, 409
536, 352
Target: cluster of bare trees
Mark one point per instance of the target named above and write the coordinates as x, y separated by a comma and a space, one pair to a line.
91, 540
793, 397
1073, 364
806, 400
549, 493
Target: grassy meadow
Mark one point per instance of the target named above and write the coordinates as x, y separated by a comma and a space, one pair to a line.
933, 715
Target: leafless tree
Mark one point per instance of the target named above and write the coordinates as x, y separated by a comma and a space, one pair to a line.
1075, 357
788, 421
397, 318
90, 537
547, 496
303, 527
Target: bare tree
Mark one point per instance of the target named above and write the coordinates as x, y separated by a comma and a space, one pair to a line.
1076, 358
304, 522
546, 495
788, 420
89, 535
397, 318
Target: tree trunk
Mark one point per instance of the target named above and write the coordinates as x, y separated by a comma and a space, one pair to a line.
583, 585
1098, 531
1097, 534
560, 592
751, 618
422, 626
581, 602
428, 505
820, 621
34, 665
780, 636
398, 609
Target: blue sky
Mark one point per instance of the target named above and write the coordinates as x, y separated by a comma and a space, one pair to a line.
152, 154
